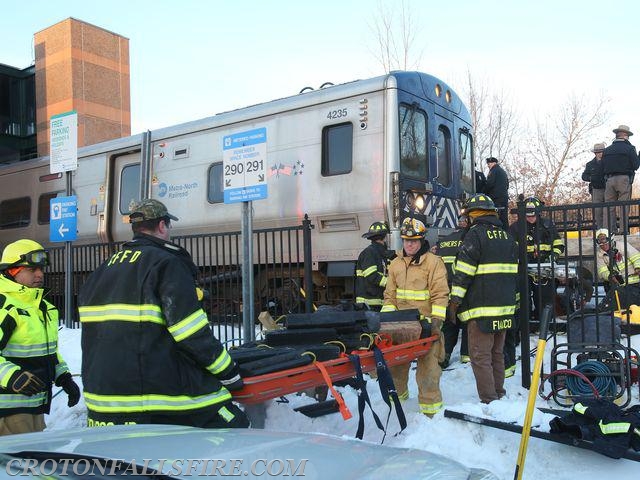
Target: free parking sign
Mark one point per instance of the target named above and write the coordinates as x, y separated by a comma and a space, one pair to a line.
244, 157
63, 219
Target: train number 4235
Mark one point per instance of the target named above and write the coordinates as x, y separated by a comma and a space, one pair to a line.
333, 114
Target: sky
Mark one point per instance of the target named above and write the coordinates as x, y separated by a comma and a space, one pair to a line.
192, 59
473, 445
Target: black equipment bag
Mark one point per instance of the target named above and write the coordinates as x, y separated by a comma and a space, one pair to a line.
284, 361
322, 352
374, 319
319, 409
340, 320
250, 354
303, 336
588, 326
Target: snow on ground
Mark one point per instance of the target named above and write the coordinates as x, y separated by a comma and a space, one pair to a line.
471, 444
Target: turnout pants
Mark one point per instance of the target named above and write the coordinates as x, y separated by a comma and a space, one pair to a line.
487, 362
428, 375
22, 423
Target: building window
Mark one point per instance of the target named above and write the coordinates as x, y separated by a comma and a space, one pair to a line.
215, 187
337, 149
129, 187
15, 213
443, 155
414, 161
44, 207
466, 161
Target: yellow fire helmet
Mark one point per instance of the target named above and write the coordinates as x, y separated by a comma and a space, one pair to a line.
24, 252
412, 229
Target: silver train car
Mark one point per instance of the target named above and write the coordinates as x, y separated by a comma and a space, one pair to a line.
347, 155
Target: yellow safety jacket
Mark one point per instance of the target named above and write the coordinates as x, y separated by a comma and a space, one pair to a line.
614, 261
28, 341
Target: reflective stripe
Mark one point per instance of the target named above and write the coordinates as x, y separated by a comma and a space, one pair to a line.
187, 327
438, 310
24, 351
404, 395
487, 312
466, 268
61, 368
383, 282
457, 291
430, 408
121, 312
220, 363
369, 301
580, 408
226, 414
489, 268
614, 427
388, 308
449, 259
403, 294
372, 269
151, 402
15, 400
6, 370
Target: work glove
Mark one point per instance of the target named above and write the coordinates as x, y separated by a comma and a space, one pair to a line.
26, 383
231, 378
425, 323
70, 387
452, 311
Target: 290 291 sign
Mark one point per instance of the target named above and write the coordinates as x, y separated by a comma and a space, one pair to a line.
244, 160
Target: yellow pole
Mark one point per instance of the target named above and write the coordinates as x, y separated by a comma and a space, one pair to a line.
533, 390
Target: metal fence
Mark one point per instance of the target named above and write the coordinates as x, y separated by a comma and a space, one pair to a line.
282, 274
591, 326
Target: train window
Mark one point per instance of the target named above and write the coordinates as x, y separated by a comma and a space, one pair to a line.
465, 150
413, 142
44, 207
215, 188
129, 187
443, 156
15, 213
337, 149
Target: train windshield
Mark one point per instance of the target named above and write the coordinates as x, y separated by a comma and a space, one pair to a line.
466, 161
413, 142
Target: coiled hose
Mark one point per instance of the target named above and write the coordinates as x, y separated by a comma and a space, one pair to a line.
600, 375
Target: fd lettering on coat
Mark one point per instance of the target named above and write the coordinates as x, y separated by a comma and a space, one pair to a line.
124, 255
501, 324
497, 234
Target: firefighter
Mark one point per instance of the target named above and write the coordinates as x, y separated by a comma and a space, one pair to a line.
371, 267
447, 249
29, 359
483, 293
619, 268
418, 279
148, 352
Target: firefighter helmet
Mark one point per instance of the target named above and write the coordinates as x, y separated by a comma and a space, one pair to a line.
531, 204
25, 253
480, 202
412, 229
602, 232
377, 229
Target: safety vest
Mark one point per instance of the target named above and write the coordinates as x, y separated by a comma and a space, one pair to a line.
29, 341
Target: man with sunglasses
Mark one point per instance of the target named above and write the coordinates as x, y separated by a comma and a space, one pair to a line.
149, 354
29, 358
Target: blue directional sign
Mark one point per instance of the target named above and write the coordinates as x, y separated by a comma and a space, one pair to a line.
63, 219
244, 157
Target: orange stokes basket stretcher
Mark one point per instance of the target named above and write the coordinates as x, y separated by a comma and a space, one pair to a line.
273, 385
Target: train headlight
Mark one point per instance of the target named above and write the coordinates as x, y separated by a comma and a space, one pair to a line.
419, 203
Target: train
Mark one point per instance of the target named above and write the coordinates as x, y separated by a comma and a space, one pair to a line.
345, 155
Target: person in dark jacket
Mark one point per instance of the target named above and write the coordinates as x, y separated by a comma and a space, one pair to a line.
620, 162
594, 174
148, 352
371, 268
483, 294
29, 359
497, 187
447, 249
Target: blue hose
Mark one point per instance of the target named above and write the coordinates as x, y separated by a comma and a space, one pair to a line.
600, 376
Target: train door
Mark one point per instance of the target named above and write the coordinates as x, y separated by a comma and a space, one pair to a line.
124, 189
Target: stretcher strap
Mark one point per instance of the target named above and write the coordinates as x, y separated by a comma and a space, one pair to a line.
363, 399
344, 411
388, 389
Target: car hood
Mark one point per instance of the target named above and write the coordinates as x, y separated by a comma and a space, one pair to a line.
262, 453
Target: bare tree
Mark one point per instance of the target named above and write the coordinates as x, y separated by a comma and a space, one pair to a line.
547, 166
395, 37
